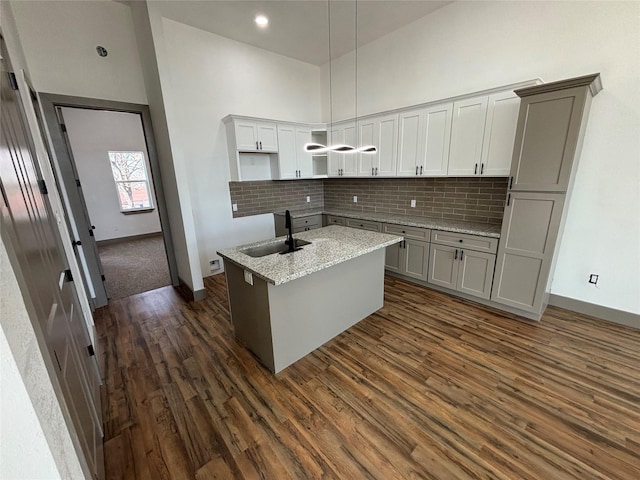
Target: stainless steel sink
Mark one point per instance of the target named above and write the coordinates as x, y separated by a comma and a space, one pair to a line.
271, 248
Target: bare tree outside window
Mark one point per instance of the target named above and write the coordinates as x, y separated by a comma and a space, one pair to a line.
130, 175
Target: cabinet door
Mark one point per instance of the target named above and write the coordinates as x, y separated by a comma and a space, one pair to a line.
394, 258
409, 142
529, 231
443, 266
467, 133
386, 139
367, 136
499, 133
335, 135
546, 140
304, 159
436, 138
267, 137
350, 160
416, 259
246, 136
475, 273
287, 152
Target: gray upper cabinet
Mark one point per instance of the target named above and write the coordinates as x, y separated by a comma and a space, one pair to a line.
546, 140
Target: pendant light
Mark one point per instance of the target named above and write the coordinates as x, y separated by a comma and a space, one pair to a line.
318, 148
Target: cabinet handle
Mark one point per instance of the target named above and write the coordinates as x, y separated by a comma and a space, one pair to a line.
256, 145
456, 255
461, 254
416, 169
481, 168
376, 171
510, 183
508, 200
260, 145
404, 244
372, 171
420, 169
475, 170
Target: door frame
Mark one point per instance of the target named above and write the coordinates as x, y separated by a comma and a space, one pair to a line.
49, 102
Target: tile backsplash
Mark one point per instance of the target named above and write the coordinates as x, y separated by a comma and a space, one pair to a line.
461, 198
267, 196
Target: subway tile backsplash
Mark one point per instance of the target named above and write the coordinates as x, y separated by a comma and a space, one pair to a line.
471, 199
460, 198
267, 196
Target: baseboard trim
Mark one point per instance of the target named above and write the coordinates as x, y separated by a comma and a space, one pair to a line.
604, 313
111, 241
188, 294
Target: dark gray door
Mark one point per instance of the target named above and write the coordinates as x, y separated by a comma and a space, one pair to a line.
29, 228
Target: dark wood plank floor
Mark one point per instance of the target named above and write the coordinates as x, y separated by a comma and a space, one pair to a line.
428, 387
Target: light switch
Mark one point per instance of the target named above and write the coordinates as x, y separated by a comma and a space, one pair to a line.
248, 277
355, 199
234, 207
308, 198
413, 204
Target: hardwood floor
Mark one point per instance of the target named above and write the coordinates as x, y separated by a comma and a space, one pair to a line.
428, 387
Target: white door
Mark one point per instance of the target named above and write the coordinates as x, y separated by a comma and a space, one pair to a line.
304, 159
434, 159
387, 143
367, 136
287, 152
350, 166
409, 143
335, 164
30, 227
267, 137
499, 133
246, 135
467, 133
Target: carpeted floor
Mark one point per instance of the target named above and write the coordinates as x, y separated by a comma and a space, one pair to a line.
134, 266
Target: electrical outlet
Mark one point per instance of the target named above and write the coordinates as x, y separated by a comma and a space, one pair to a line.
214, 265
234, 207
308, 199
355, 199
593, 279
413, 204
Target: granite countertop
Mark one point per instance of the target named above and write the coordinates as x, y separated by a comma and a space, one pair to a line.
329, 246
456, 226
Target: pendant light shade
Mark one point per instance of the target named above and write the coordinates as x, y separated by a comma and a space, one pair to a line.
317, 148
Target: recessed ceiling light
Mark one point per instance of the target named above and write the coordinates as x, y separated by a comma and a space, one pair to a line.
262, 21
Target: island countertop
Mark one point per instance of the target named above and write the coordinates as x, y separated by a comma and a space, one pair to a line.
329, 246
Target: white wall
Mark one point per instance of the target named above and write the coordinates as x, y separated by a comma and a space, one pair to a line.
92, 134
471, 46
60, 39
211, 77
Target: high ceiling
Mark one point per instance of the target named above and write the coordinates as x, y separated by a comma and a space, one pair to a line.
299, 28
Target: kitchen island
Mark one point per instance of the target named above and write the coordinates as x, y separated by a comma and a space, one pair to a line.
285, 306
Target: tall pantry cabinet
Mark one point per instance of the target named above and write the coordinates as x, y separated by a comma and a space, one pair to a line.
551, 125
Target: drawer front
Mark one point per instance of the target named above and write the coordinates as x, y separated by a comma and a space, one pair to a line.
313, 221
413, 233
364, 225
331, 220
464, 240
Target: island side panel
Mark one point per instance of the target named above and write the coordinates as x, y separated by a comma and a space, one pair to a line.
309, 311
249, 310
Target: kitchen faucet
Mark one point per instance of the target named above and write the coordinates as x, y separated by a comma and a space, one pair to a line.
288, 224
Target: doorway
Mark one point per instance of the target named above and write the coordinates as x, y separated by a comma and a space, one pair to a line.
111, 183
111, 160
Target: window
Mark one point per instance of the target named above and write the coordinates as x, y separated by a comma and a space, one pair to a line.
132, 183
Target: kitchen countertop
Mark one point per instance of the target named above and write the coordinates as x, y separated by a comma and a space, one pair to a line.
329, 246
456, 226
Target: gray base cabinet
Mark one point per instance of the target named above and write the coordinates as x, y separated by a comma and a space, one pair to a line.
410, 257
299, 224
463, 270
